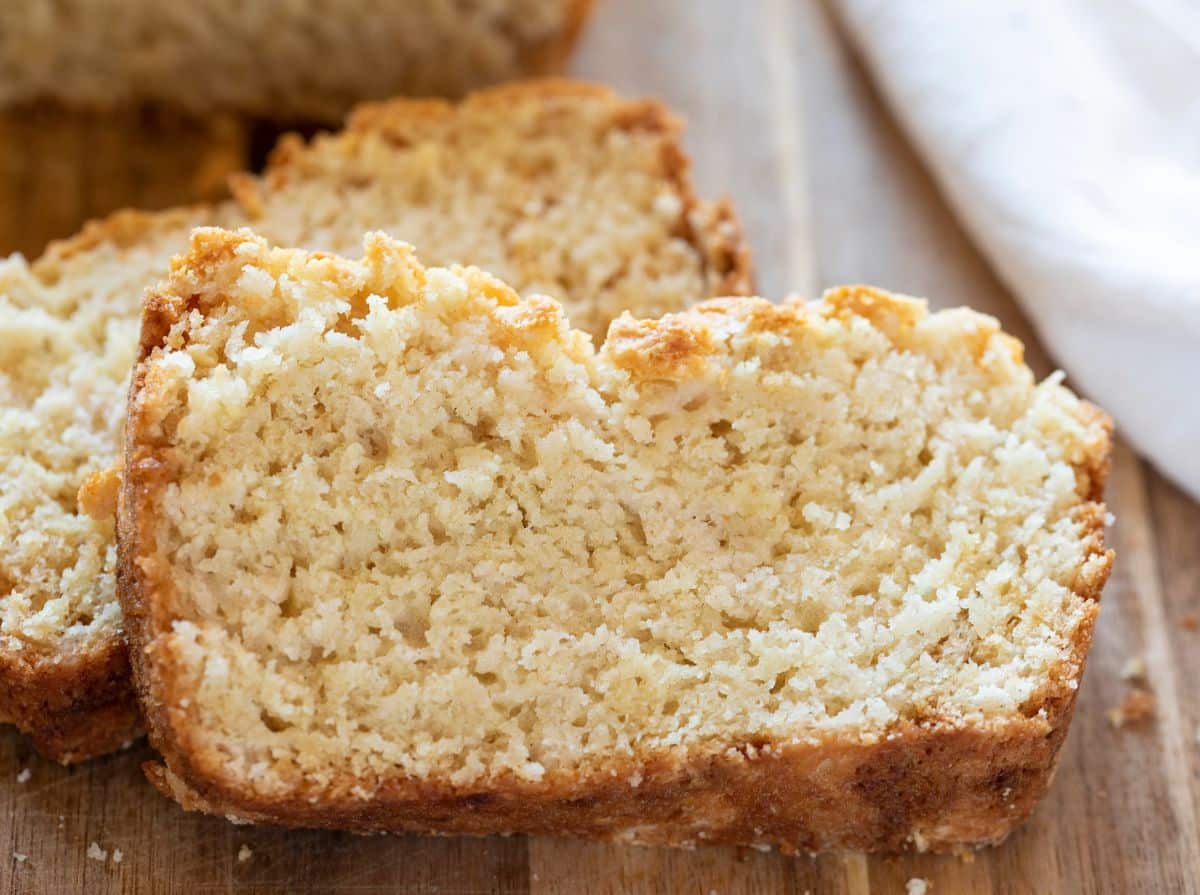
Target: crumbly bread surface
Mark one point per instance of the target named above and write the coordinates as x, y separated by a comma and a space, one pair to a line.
287, 59
393, 537
561, 187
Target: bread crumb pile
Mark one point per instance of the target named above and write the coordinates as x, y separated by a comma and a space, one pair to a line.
415, 526
560, 188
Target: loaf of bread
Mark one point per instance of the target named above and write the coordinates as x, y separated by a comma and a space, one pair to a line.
282, 59
401, 550
562, 188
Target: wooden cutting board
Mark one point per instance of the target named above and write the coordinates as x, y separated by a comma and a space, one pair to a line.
782, 119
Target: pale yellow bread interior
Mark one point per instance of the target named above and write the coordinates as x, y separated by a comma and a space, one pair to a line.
398, 522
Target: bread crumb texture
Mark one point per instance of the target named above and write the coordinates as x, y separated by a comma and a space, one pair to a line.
1138, 705
561, 188
300, 59
397, 522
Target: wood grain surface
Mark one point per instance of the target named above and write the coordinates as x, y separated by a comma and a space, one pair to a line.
783, 119
60, 168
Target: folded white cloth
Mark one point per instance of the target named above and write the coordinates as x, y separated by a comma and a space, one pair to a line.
1066, 134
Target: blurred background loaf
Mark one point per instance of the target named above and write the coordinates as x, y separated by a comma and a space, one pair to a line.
283, 59
112, 103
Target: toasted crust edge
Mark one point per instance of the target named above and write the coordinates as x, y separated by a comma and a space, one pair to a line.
75, 707
101, 713
926, 786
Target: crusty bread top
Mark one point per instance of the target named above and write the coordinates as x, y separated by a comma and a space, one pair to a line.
562, 187
387, 523
299, 60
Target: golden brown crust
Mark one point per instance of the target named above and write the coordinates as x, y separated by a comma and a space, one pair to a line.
73, 706
671, 349
922, 788
98, 493
730, 263
929, 785
120, 229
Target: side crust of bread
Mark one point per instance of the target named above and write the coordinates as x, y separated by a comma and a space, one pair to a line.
80, 704
73, 708
927, 786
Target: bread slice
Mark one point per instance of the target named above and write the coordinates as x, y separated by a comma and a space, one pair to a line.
294, 60
562, 187
400, 550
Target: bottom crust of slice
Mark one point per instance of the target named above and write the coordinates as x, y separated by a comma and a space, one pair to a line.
922, 789
72, 707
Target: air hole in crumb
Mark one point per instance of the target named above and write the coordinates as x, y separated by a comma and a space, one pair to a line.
415, 631
723, 429
273, 723
374, 442
634, 520
289, 608
438, 531
483, 430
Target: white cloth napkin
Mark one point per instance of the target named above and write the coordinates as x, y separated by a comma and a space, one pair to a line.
1066, 134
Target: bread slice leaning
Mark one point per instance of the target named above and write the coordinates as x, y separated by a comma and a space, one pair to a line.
401, 550
561, 187
297, 60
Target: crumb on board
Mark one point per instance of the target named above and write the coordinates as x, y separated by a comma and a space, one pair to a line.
118, 856
96, 853
20, 857
916, 886
24, 776
1138, 705
244, 854
1133, 669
